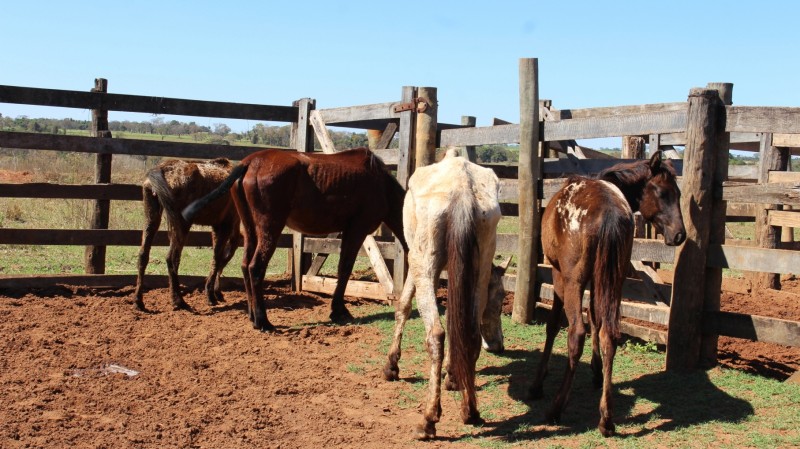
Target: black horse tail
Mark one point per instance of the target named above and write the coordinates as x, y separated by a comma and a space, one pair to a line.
158, 183
615, 241
463, 325
197, 205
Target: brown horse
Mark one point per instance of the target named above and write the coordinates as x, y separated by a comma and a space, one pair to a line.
170, 187
587, 235
350, 192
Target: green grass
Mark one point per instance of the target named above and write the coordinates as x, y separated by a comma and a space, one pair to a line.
717, 408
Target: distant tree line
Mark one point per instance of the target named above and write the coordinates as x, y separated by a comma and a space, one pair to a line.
220, 133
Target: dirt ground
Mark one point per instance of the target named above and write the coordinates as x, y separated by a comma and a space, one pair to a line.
81, 368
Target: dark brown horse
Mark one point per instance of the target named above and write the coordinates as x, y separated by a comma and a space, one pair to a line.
170, 187
587, 235
350, 192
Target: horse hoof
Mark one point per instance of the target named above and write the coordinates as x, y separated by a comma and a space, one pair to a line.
342, 317
180, 305
499, 350
607, 429
474, 419
391, 374
450, 384
425, 432
140, 305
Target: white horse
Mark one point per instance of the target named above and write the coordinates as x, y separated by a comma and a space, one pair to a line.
450, 217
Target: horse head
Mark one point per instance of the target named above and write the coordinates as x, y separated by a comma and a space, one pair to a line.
661, 201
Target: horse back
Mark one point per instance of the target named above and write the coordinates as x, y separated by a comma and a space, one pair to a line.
574, 218
187, 181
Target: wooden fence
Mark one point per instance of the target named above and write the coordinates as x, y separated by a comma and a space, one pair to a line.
706, 125
305, 119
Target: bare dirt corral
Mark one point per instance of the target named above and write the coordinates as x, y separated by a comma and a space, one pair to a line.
205, 378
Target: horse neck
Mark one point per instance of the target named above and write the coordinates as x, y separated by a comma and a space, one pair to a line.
631, 187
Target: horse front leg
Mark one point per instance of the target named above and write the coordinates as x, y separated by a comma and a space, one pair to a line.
391, 371
351, 243
152, 214
609, 348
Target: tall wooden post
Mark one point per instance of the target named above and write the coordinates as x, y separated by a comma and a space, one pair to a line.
771, 158
427, 108
716, 235
633, 147
302, 137
469, 150
530, 172
95, 256
705, 119
405, 167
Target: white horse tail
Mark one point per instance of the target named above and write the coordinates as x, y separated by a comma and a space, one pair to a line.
463, 324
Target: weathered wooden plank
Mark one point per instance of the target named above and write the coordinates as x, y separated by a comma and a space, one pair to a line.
107, 237
786, 140
647, 250
107, 281
772, 193
144, 104
615, 126
753, 327
645, 312
784, 176
82, 144
71, 191
480, 135
784, 218
324, 245
379, 264
743, 172
321, 131
360, 289
378, 111
754, 259
763, 119
634, 330
610, 111
740, 211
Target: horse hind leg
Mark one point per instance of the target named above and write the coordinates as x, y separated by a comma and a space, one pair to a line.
391, 371
597, 364
608, 347
224, 247
152, 215
536, 390
576, 337
178, 234
434, 341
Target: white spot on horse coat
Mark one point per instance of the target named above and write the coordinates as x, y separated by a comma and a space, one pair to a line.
571, 213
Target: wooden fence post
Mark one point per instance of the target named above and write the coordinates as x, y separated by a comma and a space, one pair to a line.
716, 236
95, 256
302, 137
426, 126
770, 158
405, 166
530, 172
705, 120
469, 150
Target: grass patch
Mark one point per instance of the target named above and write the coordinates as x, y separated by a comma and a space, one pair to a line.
717, 408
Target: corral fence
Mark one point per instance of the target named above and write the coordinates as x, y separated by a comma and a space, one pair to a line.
706, 125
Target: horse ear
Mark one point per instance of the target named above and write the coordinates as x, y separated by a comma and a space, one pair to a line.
655, 160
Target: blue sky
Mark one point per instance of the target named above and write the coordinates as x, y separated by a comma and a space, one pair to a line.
361, 52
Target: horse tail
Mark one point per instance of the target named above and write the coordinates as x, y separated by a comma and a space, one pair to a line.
462, 309
197, 205
160, 187
615, 240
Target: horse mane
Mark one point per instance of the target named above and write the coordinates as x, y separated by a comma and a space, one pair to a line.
630, 178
